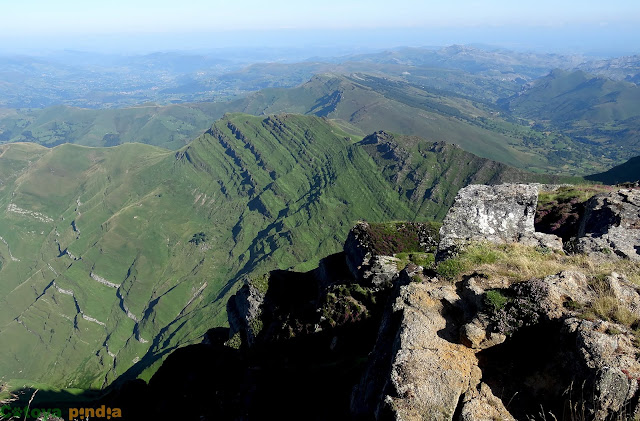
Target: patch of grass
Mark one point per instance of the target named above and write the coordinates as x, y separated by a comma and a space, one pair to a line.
573, 193
606, 306
260, 282
613, 331
516, 262
495, 299
451, 268
426, 260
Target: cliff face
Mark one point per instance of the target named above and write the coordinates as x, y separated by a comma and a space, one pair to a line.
507, 323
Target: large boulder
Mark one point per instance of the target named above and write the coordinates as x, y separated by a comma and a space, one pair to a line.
419, 369
500, 214
611, 225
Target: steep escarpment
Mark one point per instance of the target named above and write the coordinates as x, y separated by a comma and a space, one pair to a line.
501, 326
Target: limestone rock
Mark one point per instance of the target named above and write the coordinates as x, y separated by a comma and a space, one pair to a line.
610, 361
482, 405
563, 289
539, 239
425, 369
624, 292
611, 225
243, 310
476, 335
358, 248
502, 213
381, 270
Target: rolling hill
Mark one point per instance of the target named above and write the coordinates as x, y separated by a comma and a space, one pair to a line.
364, 103
170, 126
628, 172
600, 114
113, 257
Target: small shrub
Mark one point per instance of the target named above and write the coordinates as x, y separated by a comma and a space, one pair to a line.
199, 237
261, 282
256, 326
235, 342
573, 305
495, 299
426, 260
450, 268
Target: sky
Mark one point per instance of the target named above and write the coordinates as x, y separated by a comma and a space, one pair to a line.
63, 23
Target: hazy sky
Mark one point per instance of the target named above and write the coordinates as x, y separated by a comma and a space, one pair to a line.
34, 20
87, 16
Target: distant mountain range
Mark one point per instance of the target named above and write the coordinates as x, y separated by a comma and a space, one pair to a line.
109, 81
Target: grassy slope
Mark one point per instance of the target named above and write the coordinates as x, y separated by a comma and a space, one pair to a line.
170, 126
602, 114
363, 104
360, 103
432, 173
269, 192
627, 172
127, 214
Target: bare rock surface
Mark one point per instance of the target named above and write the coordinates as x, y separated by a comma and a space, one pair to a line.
611, 225
427, 362
499, 214
243, 309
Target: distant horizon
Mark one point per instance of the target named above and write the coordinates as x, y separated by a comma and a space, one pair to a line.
143, 26
604, 40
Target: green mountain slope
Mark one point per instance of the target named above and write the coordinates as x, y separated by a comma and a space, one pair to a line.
601, 114
100, 276
628, 172
396, 100
171, 126
365, 103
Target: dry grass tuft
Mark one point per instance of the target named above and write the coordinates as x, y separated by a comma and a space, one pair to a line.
516, 262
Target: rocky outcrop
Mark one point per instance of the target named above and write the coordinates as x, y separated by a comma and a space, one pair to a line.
419, 370
456, 351
368, 341
367, 248
244, 311
445, 352
611, 225
499, 214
